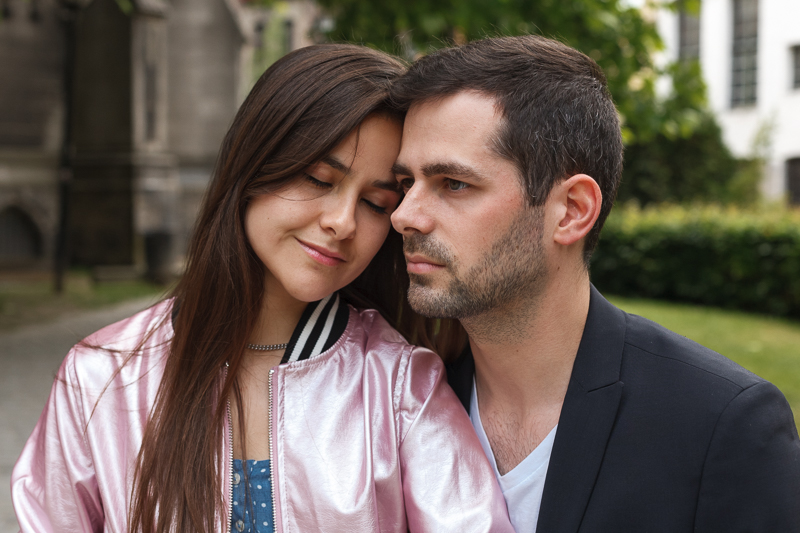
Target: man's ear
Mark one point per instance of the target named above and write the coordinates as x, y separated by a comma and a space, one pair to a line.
579, 201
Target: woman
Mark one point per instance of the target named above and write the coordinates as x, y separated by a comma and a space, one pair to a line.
182, 419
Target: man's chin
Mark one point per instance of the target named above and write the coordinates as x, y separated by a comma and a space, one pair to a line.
427, 301
420, 280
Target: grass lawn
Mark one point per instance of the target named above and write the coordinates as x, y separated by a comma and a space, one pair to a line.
767, 346
29, 299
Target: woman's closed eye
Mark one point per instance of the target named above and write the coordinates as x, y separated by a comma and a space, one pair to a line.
374, 207
319, 184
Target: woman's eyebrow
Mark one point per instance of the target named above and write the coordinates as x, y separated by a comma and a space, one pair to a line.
387, 185
335, 164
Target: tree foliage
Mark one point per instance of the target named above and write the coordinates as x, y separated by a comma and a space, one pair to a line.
614, 35
657, 130
684, 159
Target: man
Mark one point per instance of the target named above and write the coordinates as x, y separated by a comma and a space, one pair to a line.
595, 420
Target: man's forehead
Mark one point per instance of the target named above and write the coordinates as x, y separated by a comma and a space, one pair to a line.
468, 105
450, 131
464, 99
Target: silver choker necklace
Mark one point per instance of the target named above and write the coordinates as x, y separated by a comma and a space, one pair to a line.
268, 347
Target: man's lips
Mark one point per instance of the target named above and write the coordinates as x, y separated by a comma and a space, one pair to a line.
418, 264
321, 254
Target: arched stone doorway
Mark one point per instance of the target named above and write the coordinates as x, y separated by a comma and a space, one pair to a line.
20, 238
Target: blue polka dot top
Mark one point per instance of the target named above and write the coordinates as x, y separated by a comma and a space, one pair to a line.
252, 497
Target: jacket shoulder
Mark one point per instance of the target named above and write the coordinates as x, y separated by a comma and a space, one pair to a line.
374, 327
650, 343
101, 355
382, 339
413, 366
134, 329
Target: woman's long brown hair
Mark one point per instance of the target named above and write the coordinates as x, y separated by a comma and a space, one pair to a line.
299, 110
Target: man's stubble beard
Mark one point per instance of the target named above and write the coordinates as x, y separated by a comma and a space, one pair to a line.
512, 270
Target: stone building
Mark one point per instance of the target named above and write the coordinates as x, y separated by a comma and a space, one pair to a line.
155, 87
31, 129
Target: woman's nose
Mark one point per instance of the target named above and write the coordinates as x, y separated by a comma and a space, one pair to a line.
339, 216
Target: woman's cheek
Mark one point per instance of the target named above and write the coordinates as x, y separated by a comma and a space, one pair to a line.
379, 237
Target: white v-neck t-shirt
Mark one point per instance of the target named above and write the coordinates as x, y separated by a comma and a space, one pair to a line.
522, 487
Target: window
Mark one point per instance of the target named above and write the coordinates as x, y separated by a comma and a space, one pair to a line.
153, 44
793, 180
150, 101
689, 36
5, 10
796, 63
744, 78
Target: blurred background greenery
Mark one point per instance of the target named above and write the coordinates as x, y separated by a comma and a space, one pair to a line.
29, 299
674, 148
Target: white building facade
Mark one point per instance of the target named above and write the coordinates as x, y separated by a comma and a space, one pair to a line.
749, 51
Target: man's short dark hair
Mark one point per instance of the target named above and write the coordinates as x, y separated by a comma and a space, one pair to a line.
558, 116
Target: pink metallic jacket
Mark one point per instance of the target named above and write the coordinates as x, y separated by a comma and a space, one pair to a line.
367, 436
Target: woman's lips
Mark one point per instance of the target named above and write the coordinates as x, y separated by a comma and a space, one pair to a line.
417, 264
322, 255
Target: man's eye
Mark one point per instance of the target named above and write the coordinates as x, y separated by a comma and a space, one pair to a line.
314, 182
406, 183
455, 185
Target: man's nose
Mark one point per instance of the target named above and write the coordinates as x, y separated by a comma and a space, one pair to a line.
411, 216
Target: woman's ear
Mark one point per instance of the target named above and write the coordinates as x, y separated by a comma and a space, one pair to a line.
580, 200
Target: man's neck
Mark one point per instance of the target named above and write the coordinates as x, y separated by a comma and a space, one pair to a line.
522, 373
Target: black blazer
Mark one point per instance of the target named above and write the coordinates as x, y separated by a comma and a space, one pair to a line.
659, 434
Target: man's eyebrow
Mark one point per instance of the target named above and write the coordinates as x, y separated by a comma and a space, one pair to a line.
401, 169
335, 164
390, 185
456, 170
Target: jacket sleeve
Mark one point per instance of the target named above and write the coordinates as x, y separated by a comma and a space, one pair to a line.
751, 477
53, 485
448, 484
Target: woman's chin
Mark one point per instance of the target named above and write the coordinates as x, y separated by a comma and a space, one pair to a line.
310, 294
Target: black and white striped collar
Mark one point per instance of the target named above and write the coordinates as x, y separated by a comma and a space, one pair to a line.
320, 326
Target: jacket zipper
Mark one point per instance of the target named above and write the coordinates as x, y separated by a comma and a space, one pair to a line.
230, 461
272, 453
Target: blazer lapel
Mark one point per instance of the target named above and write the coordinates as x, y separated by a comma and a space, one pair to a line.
586, 420
460, 374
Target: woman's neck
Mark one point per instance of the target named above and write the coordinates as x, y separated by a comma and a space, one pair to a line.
279, 315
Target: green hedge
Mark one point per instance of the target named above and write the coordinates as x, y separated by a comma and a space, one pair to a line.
726, 257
